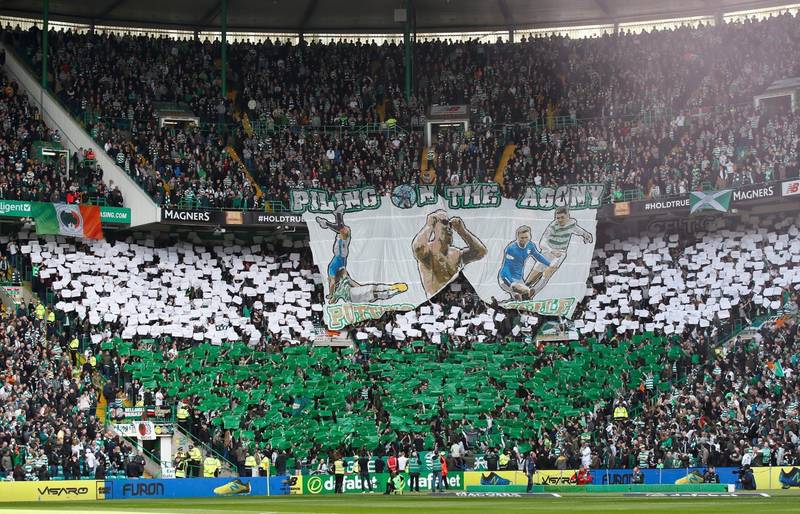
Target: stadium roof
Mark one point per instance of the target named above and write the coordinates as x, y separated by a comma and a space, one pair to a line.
321, 16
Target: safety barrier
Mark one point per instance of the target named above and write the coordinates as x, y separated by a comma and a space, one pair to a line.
61, 490
630, 488
600, 477
196, 487
603, 481
70, 490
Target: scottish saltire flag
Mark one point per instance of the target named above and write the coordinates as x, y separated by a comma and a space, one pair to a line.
710, 201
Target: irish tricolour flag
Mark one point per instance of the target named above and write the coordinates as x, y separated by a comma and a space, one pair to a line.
68, 220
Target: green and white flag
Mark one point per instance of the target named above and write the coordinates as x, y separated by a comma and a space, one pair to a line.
712, 201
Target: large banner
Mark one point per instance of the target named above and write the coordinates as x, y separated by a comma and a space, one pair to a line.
530, 254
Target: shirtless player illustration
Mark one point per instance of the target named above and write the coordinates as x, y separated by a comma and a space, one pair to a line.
437, 259
341, 287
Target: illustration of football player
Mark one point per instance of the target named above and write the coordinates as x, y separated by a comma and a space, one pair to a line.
341, 246
515, 256
437, 259
340, 285
350, 291
554, 244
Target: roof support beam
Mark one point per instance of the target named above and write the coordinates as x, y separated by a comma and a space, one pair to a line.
603, 5
309, 12
108, 9
212, 13
503, 7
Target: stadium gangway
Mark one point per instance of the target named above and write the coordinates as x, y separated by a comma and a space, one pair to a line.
206, 449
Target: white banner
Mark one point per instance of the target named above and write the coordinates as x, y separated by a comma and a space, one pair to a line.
791, 187
144, 430
376, 255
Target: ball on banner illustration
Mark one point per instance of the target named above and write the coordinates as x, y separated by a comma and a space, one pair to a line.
404, 196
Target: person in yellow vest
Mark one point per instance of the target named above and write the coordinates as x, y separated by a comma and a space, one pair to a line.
181, 468
182, 415
181, 463
92, 360
503, 460
209, 467
40, 311
338, 472
621, 412
74, 345
265, 466
51, 322
194, 461
250, 465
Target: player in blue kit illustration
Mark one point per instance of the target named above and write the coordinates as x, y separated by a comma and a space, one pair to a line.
341, 246
515, 256
341, 287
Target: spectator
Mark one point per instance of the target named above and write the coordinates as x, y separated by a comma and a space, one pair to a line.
582, 476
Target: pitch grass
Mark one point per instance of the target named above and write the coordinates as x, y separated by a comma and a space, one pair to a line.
779, 501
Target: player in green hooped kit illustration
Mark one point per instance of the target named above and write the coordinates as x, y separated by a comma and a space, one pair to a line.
553, 245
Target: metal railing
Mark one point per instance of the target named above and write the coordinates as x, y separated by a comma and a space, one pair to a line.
207, 448
262, 128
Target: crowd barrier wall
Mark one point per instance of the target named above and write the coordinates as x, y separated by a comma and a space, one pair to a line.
196, 487
55, 490
766, 478
352, 483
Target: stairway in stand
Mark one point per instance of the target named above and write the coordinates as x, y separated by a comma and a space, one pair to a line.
500, 173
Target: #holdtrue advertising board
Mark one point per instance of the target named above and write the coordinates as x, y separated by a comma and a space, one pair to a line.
60, 490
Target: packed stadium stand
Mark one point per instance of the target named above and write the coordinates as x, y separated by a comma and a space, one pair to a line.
695, 134
683, 353
684, 376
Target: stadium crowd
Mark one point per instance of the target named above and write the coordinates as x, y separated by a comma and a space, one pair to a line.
209, 320
660, 113
48, 395
25, 175
636, 387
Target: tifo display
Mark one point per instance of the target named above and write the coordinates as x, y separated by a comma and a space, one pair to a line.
489, 238
550, 266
